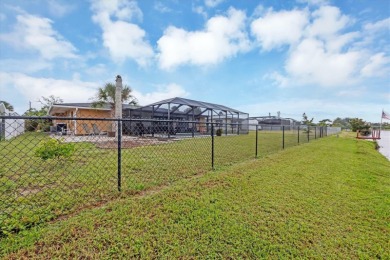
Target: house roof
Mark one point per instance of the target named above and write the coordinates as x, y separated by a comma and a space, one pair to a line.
4, 111
264, 118
194, 103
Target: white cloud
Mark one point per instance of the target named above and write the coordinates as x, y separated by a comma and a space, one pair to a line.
313, 2
120, 9
59, 9
124, 40
97, 69
378, 26
200, 10
163, 92
24, 65
278, 79
320, 52
75, 90
36, 33
278, 28
375, 35
327, 22
378, 65
160, 7
310, 63
212, 3
32, 88
223, 37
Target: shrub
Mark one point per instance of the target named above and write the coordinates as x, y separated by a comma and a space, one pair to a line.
359, 124
53, 148
219, 132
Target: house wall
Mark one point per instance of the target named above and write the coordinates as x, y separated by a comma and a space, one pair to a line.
103, 126
76, 126
10, 127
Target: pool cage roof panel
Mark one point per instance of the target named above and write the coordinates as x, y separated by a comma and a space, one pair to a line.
195, 103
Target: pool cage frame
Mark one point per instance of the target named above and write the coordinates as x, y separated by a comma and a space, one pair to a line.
181, 116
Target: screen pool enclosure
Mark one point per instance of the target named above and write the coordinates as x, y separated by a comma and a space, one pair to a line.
185, 117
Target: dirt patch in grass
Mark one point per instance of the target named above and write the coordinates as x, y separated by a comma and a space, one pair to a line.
132, 143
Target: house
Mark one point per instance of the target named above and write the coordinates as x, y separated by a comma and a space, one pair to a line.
80, 110
274, 122
10, 127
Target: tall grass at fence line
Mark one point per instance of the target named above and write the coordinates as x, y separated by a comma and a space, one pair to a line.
33, 190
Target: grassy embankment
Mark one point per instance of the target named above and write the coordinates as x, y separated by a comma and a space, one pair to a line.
328, 199
34, 191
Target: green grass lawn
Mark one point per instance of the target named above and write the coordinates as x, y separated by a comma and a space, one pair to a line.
34, 191
327, 199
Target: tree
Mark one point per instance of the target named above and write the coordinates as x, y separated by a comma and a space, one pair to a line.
324, 122
47, 102
7, 105
106, 95
342, 122
306, 121
361, 125
41, 124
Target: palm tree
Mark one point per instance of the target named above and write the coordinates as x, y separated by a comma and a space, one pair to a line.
106, 95
7, 105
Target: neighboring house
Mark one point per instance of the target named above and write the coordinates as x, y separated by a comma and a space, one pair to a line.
274, 122
10, 127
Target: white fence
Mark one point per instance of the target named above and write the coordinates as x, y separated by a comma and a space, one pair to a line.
10, 127
330, 130
252, 126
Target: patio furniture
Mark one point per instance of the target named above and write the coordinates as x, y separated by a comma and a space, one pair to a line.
97, 131
86, 129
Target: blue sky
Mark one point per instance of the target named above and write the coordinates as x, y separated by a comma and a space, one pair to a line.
326, 58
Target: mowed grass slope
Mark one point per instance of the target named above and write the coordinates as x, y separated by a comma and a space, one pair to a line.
327, 199
34, 191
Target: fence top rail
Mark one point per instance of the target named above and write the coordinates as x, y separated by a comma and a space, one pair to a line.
142, 120
109, 119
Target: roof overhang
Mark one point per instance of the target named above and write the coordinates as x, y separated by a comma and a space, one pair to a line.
54, 109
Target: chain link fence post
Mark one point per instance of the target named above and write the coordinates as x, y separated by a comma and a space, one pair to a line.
298, 134
119, 154
212, 146
257, 138
282, 137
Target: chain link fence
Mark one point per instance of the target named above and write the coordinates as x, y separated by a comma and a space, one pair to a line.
59, 165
